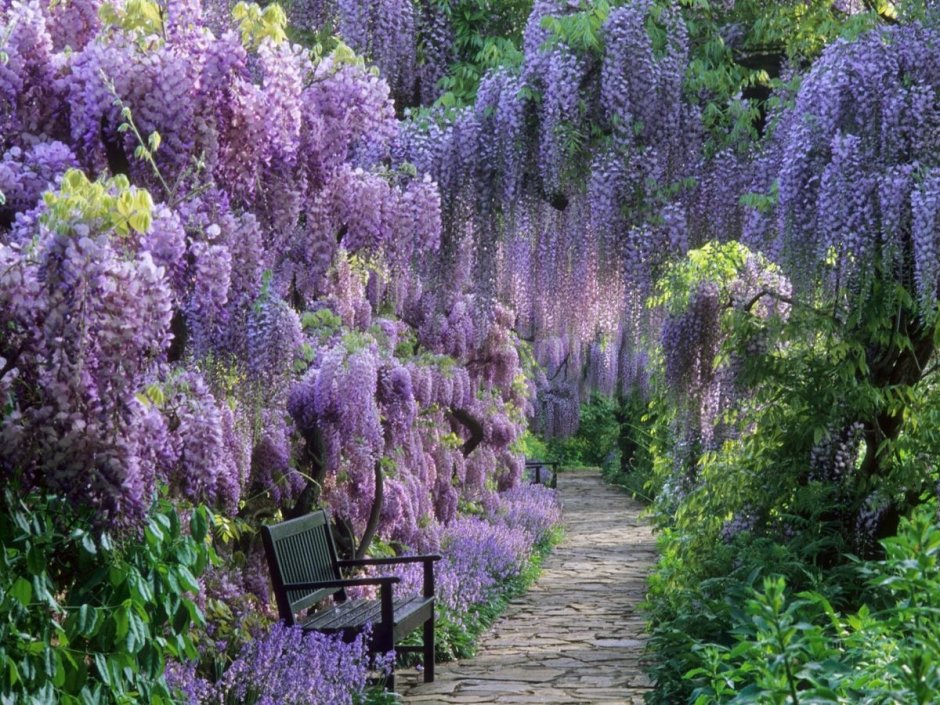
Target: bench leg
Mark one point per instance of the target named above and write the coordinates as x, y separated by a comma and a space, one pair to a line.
429, 650
383, 642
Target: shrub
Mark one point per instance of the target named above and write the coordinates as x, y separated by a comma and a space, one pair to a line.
596, 435
799, 649
90, 617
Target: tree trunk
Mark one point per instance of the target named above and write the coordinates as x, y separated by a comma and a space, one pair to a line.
311, 460
896, 367
375, 515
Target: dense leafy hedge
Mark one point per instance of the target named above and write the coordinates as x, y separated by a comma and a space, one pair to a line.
798, 648
87, 617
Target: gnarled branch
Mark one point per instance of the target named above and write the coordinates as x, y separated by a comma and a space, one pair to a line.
472, 424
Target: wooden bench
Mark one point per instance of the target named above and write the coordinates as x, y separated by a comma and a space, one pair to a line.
536, 466
305, 571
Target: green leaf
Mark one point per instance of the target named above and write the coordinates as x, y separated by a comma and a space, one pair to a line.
102, 666
92, 696
117, 575
139, 586
44, 696
181, 618
121, 619
88, 620
35, 561
88, 544
137, 633
187, 579
153, 535
53, 667
151, 660
12, 671
22, 592
195, 613
41, 592
199, 524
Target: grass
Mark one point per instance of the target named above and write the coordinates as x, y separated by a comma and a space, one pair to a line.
577, 468
634, 484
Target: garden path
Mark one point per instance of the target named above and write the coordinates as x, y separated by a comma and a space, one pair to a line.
576, 637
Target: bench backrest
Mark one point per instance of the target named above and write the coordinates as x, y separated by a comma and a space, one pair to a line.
301, 550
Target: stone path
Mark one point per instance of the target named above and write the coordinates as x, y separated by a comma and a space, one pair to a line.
577, 636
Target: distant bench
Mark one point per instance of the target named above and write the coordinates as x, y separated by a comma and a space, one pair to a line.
305, 571
536, 468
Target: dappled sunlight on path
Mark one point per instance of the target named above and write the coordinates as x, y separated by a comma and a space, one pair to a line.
576, 637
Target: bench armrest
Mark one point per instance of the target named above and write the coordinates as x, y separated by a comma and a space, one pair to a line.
346, 582
388, 561
428, 561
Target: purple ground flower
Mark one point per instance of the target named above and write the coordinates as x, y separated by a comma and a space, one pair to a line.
480, 553
532, 508
283, 667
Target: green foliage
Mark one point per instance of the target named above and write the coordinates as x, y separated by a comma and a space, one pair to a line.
713, 262
487, 35
105, 204
143, 17
815, 374
804, 29
257, 24
532, 447
697, 594
87, 617
377, 695
799, 649
758, 506
580, 30
720, 74
323, 323
630, 465
596, 438
808, 377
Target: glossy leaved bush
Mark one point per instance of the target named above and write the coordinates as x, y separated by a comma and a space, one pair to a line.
90, 616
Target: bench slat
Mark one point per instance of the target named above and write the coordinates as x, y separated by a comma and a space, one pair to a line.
346, 615
306, 559
356, 614
301, 551
413, 614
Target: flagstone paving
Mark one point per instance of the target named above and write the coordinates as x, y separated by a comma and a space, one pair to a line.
577, 636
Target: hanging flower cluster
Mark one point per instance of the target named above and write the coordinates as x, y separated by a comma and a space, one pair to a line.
252, 305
